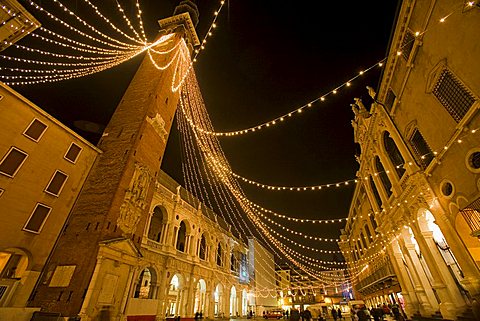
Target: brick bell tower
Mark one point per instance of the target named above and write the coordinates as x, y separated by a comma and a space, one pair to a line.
114, 202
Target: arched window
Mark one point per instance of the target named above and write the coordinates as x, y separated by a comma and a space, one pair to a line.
373, 221
182, 236
394, 154
219, 255
203, 248
378, 200
13, 264
156, 225
387, 185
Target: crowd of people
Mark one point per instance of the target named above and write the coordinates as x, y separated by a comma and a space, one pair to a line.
296, 315
357, 313
379, 313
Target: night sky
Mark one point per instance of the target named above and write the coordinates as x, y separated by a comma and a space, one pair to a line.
265, 59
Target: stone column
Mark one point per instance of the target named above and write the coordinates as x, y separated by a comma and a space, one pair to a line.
162, 296
147, 225
226, 301
425, 295
412, 304
175, 237
167, 239
190, 299
178, 301
91, 287
164, 233
208, 312
450, 298
238, 308
128, 293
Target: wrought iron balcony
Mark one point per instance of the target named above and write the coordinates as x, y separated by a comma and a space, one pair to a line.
471, 214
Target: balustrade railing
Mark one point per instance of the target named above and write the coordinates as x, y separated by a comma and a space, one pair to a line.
379, 272
7, 287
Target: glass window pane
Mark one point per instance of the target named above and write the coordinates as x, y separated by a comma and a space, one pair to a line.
38, 218
35, 130
12, 162
56, 183
73, 152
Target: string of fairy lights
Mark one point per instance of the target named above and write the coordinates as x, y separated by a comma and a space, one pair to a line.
99, 50
280, 119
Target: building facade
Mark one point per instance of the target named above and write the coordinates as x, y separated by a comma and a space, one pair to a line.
415, 214
43, 166
188, 262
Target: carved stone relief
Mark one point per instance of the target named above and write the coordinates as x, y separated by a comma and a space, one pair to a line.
134, 202
158, 125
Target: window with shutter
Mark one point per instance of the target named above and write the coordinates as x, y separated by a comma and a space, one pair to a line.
407, 45
394, 154
390, 99
453, 95
422, 151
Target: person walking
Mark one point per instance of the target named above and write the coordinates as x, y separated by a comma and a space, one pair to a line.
294, 315
307, 314
339, 314
396, 312
362, 314
377, 313
334, 314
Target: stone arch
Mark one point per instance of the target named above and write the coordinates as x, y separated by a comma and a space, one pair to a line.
183, 231
14, 262
203, 247
175, 293
233, 301
244, 302
218, 299
219, 254
395, 157
146, 284
462, 201
158, 221
200, 295
426, 223
177, 280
